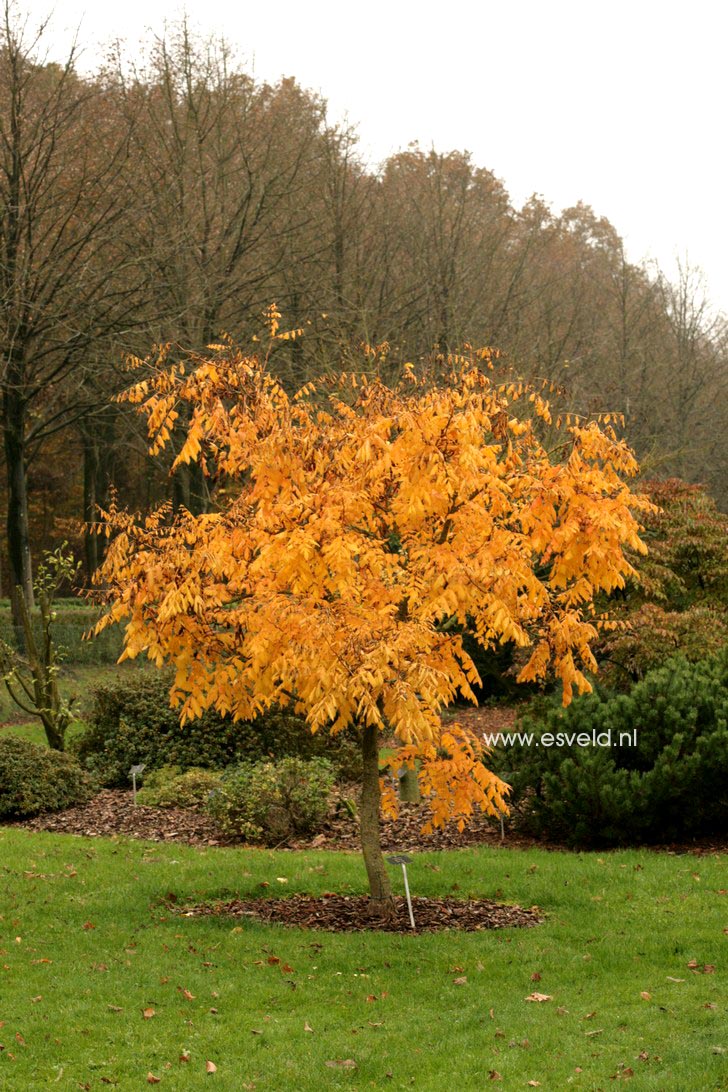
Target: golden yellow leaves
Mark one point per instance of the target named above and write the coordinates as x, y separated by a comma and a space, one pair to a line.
361, 528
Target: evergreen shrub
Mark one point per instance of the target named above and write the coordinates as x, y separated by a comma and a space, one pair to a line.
170, 787
35, 779
271, 802
131, 721
672, 785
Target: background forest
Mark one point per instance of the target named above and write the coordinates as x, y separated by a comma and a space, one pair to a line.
173, 198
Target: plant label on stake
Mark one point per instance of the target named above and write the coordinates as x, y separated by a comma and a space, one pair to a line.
133, 775
403, 859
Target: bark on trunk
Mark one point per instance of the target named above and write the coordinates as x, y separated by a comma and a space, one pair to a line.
90, 493
18, 532
409, 786
380, 888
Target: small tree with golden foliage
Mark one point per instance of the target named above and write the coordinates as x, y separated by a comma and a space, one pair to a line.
354, 521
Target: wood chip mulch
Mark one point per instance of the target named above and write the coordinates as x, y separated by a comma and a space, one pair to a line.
352, 913
112, 812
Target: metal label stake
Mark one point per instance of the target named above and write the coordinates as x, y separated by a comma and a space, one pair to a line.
403, 859
133, 775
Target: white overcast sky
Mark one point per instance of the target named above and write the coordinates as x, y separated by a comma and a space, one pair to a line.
620, 105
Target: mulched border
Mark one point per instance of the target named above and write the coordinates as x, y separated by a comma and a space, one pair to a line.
112, 813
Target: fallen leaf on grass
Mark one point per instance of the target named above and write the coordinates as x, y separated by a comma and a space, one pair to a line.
535, 977
539, 997
185, 1056
707, 968
307, 1027
346, 1063
210, 1067
534, 1084
114, 1008
646, 996
186, 994
460, 981
495, 1075
148, 1013
151, 1079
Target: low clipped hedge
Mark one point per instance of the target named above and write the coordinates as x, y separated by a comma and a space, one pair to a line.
131, 722
36, 779
672, 785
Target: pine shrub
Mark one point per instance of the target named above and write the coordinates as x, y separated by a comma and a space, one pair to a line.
673, 784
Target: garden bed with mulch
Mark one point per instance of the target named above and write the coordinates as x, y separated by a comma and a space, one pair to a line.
112, 813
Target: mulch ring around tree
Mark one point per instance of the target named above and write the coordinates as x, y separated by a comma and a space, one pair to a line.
352, 913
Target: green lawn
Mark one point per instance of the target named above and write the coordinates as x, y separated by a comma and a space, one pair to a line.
87, 947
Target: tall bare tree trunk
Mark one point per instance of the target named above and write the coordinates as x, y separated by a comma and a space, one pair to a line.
18, 532
90, 500
380, 889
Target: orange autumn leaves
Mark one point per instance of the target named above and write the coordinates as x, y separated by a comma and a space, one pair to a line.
359, 525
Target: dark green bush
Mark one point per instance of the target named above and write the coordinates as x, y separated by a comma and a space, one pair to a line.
672, 784
170, 787
35, 779
131, 721
271, 802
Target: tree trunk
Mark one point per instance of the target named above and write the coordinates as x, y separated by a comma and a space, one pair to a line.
90, 493
409, 786
380, 888
21, 576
